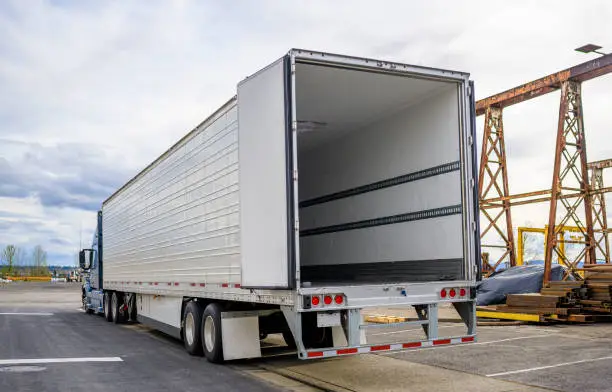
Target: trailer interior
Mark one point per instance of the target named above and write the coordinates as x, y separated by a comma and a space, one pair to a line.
380, 189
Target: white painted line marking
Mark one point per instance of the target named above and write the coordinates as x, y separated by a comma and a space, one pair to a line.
413, 329
26, 314
469, 344
58, 360
548, 367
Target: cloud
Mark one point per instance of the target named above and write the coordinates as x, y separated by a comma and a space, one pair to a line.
61, 175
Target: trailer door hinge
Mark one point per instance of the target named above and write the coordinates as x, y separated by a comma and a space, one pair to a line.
472, 182
473, 226
469, 90
295, 174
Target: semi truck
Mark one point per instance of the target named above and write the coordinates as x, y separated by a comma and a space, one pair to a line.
327, 186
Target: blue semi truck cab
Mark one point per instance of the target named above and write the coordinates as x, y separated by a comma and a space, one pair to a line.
90, 262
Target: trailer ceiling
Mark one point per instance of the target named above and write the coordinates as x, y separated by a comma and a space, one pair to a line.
331, 100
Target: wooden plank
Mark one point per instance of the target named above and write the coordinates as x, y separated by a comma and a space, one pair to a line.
569, 284
600, 276
580, 318
594, 303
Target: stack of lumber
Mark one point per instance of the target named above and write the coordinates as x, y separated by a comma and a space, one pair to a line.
561, 304
598, 282
568, 301
557, 302
571, 291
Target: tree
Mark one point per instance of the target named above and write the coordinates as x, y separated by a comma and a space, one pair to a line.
39, 260
9, 256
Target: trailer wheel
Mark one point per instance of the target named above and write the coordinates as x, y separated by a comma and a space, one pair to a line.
117, 309
192, 337
108, 315
212, 342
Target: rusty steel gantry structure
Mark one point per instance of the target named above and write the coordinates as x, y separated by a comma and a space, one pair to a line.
570, 188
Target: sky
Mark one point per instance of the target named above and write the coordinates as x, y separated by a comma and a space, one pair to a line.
91, 92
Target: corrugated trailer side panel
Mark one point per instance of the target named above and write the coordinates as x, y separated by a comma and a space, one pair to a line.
176, 224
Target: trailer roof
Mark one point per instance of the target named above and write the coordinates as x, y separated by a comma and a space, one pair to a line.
304, 55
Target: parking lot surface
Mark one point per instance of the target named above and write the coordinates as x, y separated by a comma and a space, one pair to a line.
48, 344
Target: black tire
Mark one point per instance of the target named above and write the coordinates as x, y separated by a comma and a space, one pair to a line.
108, 314
117, 308
192, 328
289, 340
212, 342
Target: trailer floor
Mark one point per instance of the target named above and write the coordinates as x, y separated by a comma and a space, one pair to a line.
507, 358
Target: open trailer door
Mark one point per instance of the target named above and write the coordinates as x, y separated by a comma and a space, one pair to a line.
266, 182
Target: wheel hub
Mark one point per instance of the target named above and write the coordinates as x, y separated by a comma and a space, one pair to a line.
209, 333
189, 328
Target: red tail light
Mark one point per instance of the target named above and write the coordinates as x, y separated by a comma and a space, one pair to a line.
462, 292
338, 299
327, 299
443, 293
452, 293
315, 301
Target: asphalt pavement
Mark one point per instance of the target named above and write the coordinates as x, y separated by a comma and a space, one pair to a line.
48, 344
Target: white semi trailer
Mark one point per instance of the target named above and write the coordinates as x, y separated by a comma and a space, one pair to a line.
328, 185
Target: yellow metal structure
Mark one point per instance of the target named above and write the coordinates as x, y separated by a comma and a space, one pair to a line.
509, 316
543, 230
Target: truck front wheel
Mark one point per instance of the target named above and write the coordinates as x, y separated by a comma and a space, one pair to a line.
192, 319
211, 333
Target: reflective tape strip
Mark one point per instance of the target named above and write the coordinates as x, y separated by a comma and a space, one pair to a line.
441, 342
388, 347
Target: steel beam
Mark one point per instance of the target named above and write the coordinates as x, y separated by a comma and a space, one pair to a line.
603, 164
579, 73
490, 203
493, 184
598, 206
569, 172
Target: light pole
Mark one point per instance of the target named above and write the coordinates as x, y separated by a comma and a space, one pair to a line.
590, 48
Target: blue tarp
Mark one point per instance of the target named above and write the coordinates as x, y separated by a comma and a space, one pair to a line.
514, 280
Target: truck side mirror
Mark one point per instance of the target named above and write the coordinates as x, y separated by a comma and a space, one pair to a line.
85, 258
